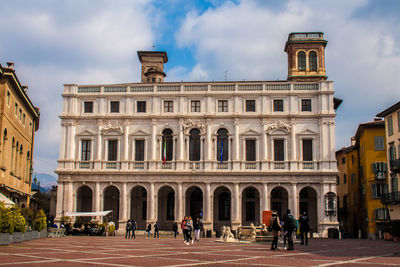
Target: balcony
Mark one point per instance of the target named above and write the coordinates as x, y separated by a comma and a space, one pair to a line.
222, 166
308, 165
279, 165
85, 165
194, 166
250, 165
390, 198
138, 165
395, 166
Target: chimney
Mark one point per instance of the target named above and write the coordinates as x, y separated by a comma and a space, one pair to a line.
10, 65
377, 119
353, 141
25, 87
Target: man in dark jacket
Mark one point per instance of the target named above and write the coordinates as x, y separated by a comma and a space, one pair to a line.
304, 228
290, 226
128, 229
157, 230
134, 226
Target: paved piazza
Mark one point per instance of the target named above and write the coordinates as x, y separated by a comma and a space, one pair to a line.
166, 251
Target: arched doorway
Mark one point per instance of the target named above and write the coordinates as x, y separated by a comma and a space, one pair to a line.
84, 196
194, 202
250, 206
111, 202
139, 206
308, 203
222, 207
279, 200
166, 207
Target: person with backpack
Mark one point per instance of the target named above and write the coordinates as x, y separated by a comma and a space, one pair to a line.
290, 226
276, 228
304, 228
157, 229
134, 226
128, 229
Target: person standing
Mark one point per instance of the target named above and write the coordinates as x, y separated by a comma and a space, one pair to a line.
134, 226
148, 230
276, 228
128, 229
304, 228
183, 227
175, 229
290, 226
189, 227
197, 227
157, 230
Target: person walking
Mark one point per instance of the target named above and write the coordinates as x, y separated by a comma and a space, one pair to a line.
197, 227
304, 228
290, 226
276, 228
183, 227
134, 226
175, 229
148, 230
128, 229
189, 227
157, 229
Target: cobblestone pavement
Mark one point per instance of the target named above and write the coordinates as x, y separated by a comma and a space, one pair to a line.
79, 251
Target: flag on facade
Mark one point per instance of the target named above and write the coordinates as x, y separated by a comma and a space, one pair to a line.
222, 151
165, 151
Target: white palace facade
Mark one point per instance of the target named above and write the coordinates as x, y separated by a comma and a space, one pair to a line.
221, 151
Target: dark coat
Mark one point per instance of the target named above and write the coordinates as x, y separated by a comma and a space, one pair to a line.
304, 225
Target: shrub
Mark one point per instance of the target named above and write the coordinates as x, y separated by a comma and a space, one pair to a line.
29, 216
6, 220
18, 220
40, 221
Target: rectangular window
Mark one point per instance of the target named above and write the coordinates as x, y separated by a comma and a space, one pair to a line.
390, 125
353, 178
23, 119
8, 98
343, 160
344, 178
168, 106
379, 143
222, 105
278, 105
86, 145
279, 150
250, 105
392, 152
139, 150
307, 150
112, 150
114, 106
378, 189
250, 150
195, 106
88, 106
306, 105
16, 109
141, 106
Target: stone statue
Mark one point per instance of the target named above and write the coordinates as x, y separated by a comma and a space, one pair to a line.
253, 232
227, 235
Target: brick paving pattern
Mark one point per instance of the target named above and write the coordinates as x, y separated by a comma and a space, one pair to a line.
79, 251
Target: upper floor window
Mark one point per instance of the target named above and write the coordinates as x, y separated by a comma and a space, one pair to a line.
378, 189
353, 178
85, 151
139, 150
301, 60
279, 150
344, 178
195, 106
337, 180
112, 150
8, 98
392, 152
313, 62
343, 160
16, 109
194, 145
114, 106
306, 105
141, 106
167, 144
23, 119
250, 105
250, 150
88, 107
222, 145
307, 150
168, 106
390, 125
222, 105
20, 114
379, 143
30, 127
278, 104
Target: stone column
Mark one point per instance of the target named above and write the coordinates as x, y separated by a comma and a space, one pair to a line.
60, 201
208, 149
295, 201
96, 201
265, 198
179, 204
236, 207
151, 205
124, 161
153, 144
236, 158
293, 152
123, 216
97, 164
207, 212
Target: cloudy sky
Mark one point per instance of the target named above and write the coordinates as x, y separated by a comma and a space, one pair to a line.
95, 41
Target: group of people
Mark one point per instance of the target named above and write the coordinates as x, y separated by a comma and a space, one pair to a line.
188, 226
131, 227
287, 227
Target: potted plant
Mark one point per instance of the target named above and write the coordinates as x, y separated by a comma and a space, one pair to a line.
19, 225
39, 223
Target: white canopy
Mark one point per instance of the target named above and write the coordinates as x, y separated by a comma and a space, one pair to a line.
88, 213
6, 200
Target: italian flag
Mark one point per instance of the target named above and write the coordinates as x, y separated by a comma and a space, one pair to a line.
165, 152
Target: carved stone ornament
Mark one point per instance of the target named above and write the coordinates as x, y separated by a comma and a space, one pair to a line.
279, 125
189, 124
106, 126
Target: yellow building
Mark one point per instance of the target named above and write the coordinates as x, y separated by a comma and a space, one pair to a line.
362, 181
19, 120
392, 126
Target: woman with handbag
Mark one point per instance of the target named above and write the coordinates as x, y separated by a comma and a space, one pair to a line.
276, 228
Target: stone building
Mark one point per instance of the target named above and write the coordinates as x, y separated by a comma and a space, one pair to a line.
19, 120
221, 151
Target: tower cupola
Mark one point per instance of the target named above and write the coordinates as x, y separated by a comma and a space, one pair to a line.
153, 66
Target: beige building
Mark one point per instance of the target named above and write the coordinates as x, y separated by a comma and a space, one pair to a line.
392, 127
19, 120
221, 151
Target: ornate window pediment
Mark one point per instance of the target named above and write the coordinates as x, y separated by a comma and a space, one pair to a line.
279, 127
86, 133
250, 132
307, 132
140, 133
110, 127
189, 124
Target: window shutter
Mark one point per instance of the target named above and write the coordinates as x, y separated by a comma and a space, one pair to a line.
374, 167
374, 193
385, 167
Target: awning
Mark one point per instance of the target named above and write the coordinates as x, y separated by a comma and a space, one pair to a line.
88, 213
6, 201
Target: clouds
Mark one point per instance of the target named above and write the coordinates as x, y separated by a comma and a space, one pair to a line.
247, 38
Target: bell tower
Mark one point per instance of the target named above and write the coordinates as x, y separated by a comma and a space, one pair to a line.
153, 66
306, 56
